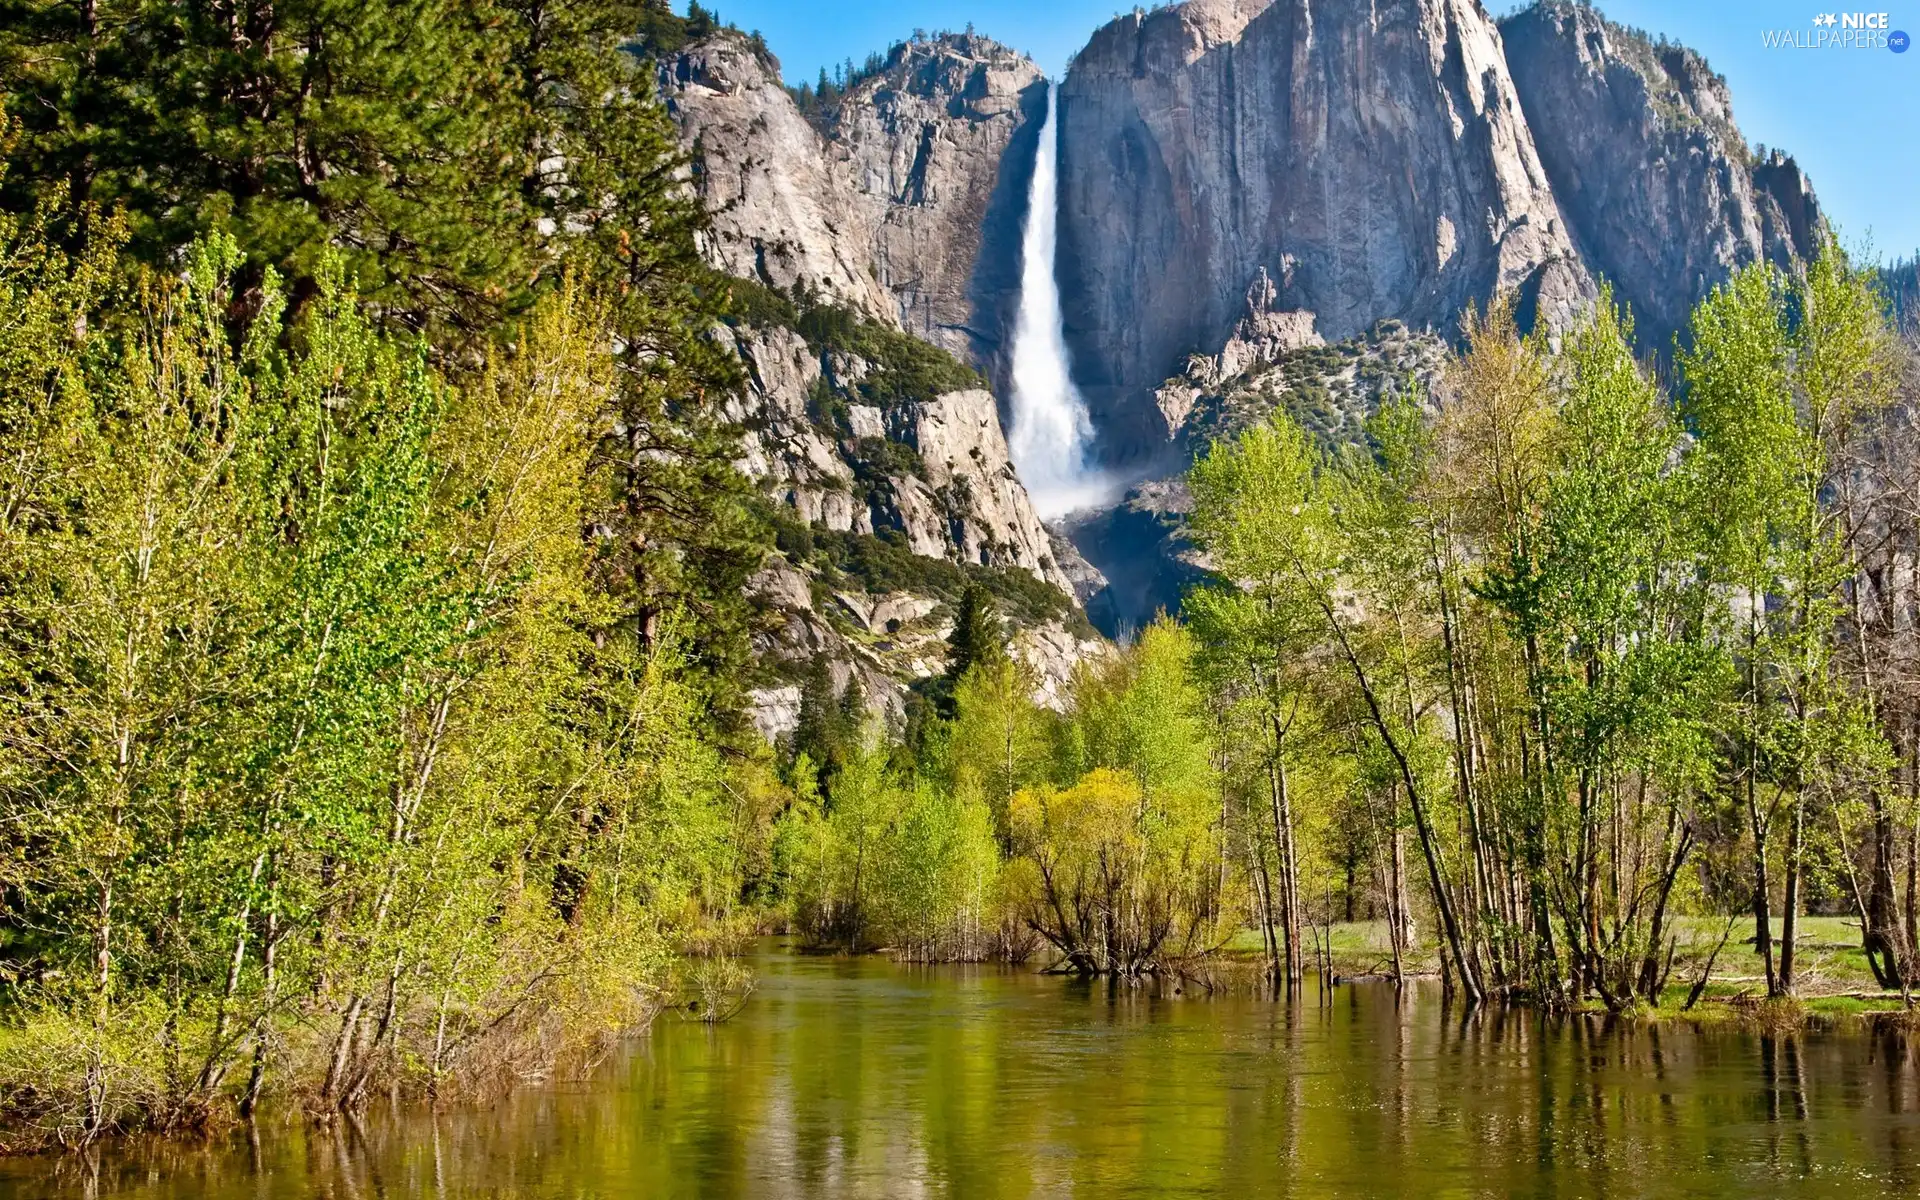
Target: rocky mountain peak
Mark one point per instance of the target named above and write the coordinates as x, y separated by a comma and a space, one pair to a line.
932, 145
1664, 195
1370, 156
954, 69
1170, 36
769, 186
1682, 90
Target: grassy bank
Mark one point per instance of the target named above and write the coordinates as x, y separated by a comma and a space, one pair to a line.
1835, 979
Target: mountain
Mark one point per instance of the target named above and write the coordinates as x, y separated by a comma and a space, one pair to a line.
1663, 194
934, 142
781, 211
1370, 159
881, 451
1263, 203
905, 199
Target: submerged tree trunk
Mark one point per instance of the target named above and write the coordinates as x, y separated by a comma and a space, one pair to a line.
1263, 892
1400, 919
1436, 876
1289, 872
1790, 915
1911, 947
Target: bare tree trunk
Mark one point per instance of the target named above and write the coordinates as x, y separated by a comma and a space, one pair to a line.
1399, 912
1912, 945
1762, 902
330, 1090
1289, 874
1386, 876
1653, 975
1790, 918
257, 1076
1263, 890
1436, 876
1466, 767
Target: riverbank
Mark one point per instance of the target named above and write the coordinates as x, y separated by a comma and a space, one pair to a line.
1835, 980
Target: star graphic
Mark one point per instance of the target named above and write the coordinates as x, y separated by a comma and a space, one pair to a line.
1828, 20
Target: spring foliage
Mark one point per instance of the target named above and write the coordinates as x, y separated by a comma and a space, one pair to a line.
1593, 650
307, 725
1560, 658
370, 558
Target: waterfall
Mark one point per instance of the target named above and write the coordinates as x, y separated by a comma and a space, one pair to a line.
1052, 434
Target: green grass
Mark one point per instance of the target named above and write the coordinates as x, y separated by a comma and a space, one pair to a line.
1843, 1005
1828, 960
1359, 947
1831, 968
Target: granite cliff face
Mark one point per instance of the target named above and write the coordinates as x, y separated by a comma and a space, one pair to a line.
903, 206
1662, 192
940, 146
1371, 159
1344, 163
779, 206
1349, 161
890, 500
932, 472
904, 202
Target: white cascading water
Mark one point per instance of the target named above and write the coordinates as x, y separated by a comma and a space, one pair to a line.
1052, 434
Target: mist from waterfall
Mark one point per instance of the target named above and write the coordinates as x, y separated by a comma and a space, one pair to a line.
1052, 433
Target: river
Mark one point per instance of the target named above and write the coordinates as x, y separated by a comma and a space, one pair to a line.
862, 1078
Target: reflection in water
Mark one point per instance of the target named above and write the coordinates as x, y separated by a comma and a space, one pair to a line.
860, 1078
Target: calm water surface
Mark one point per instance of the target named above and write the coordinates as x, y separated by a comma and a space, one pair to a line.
861, 1078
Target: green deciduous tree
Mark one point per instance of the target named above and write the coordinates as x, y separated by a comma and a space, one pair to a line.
308, 727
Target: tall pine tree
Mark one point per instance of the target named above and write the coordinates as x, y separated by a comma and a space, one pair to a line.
462, 159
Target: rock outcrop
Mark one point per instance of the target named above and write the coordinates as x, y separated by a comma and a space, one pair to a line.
934, 472
883, 643
1140, 545
940, 144
922, 491
902, 205
780, 211
1662, 192
1371, 158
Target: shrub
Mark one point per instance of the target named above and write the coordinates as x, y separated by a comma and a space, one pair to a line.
876, 458
902, 368
750, 302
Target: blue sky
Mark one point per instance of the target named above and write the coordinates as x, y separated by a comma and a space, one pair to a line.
1849, 116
